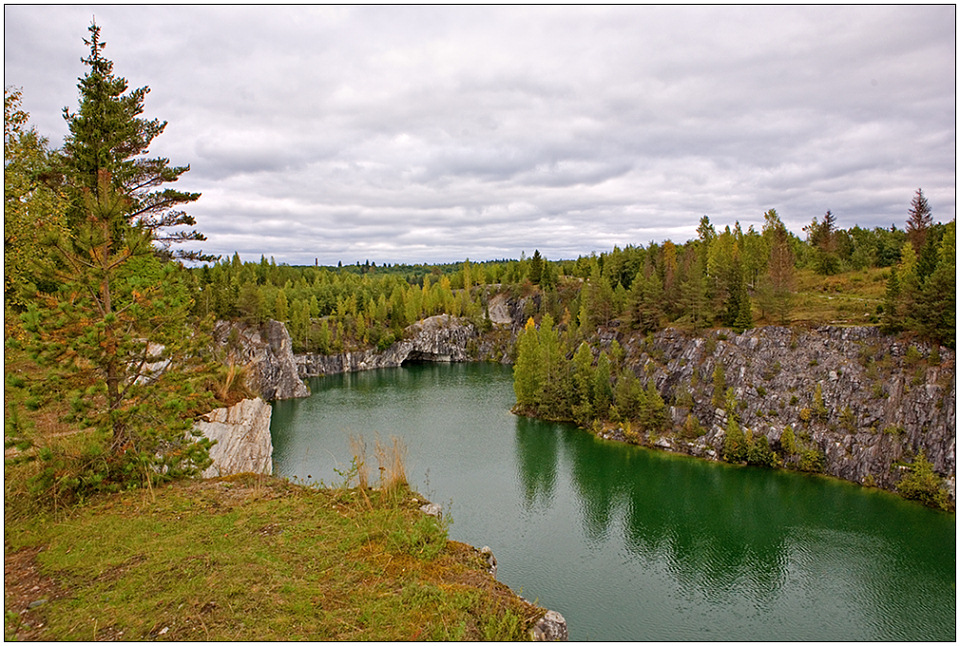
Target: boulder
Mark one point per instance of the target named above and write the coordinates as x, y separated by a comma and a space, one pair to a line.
552, 627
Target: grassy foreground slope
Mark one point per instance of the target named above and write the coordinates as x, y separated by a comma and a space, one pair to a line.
251, 558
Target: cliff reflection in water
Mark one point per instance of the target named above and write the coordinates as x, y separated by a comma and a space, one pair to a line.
719, 529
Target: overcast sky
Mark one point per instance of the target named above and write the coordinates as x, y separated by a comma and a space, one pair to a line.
434, 134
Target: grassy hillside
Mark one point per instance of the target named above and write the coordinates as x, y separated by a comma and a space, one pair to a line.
250, 558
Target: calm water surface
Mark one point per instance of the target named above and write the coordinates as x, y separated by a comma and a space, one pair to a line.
631, 544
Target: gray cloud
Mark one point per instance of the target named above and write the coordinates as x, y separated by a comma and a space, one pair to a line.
411, 134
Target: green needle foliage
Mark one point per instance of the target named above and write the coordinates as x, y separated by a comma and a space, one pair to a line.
116, 340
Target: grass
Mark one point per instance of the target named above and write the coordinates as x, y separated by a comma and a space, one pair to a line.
252, 558
850, 298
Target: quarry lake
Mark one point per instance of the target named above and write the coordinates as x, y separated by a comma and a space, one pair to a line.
628, 543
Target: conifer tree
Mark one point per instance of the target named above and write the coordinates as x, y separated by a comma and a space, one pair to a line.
107, 134
583, 384
776, 292
535, 271
920, 220
527, 381
602, 389
937, 301
115, 339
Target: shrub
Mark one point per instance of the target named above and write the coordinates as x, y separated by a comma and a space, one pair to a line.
848, 421
760, 454
819, 407
922, 484
812, 460
734, 443
912, 356
788, 441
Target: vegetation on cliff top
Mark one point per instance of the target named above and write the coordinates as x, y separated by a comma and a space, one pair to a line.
251, 558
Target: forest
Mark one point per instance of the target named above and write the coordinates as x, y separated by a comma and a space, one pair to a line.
732, 278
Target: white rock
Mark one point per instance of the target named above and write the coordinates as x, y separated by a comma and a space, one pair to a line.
242, 434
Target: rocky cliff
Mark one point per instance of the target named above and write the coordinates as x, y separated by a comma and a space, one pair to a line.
867, 401
440, 338
242, 435
267, 353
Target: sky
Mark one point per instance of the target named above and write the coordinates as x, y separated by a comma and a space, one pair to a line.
437, 134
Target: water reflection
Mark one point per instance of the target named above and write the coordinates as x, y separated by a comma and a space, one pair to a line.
715, 528
537, 454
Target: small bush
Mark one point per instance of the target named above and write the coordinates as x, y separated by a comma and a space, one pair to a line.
788, 441
922, 484
760, 454
912, 356
812, 460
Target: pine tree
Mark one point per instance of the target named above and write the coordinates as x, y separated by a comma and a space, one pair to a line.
822, 236
602, 389
583, 377
890, 323
535, 272
281, 308
107, 135
645, 302
937, 301
776, 293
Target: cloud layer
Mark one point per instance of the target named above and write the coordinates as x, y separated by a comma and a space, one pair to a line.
432, 134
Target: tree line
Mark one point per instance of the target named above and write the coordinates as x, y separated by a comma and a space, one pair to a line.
730, 278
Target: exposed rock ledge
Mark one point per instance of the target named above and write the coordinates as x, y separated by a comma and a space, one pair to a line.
442, 338
267, 353
242, 435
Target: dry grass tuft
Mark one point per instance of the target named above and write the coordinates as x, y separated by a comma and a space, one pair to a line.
358, 446
392, 464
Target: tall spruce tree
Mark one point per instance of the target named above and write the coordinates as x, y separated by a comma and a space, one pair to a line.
920, 220
108, 134
114, 332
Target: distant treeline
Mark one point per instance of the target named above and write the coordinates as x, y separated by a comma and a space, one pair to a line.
730, 278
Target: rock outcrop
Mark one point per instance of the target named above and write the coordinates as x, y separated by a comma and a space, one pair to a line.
552, 627
881, 400
267, 353
242, 436
440, 338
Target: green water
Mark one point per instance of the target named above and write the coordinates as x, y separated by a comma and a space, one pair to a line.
631, 544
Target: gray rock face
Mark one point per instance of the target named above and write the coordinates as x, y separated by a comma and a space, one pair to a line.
267, 352
440, 338
552, 627
242, 434
882, 404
